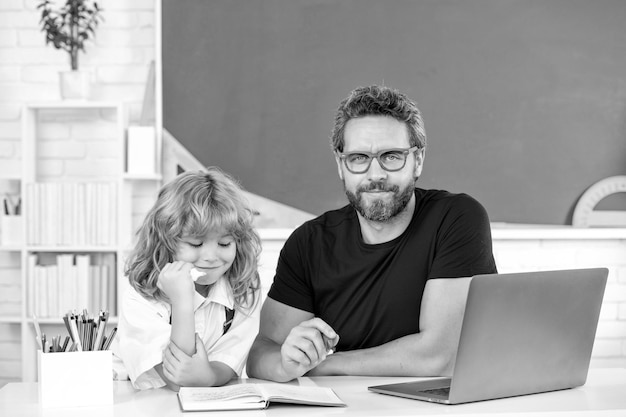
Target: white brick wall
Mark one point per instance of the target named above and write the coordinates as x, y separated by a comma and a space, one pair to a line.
515, 255
119, 59
542, 254
10, 283
10, 360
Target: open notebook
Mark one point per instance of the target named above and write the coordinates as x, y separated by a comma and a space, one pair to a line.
254, 396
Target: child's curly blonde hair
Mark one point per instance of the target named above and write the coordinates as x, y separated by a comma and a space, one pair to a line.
193, 204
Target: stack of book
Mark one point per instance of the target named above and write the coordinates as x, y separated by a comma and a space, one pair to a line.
72, 280
66, 214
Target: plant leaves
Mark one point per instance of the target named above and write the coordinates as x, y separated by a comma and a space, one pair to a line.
68, 27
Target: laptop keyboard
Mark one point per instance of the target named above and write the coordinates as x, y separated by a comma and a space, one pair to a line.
444, 392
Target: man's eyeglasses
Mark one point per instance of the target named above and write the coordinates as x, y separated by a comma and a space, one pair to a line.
389, 159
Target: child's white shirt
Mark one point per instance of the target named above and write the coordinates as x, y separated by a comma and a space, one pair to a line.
144, 332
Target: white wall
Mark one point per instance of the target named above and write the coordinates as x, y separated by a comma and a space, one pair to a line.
119, 57
518, 255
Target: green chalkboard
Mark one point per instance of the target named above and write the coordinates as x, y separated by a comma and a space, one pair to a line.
524, 101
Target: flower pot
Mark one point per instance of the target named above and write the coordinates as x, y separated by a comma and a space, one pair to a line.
75, 85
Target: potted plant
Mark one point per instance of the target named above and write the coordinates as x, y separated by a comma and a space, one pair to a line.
68, 28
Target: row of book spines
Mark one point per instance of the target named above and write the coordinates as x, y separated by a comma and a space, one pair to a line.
70, 284
63, 214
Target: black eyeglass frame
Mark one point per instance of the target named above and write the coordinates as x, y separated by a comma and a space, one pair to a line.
372, 156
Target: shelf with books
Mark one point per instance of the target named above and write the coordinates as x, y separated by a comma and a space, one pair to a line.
71, 174
79, 212
58, 282
76, 213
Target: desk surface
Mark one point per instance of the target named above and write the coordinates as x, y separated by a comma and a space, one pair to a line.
604, 394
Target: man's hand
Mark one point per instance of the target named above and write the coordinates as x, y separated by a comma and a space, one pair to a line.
290, 343
185, 370
306, 346
175, 281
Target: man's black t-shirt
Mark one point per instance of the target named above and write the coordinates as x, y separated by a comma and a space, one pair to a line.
371, 294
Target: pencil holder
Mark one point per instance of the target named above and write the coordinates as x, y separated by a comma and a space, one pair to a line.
75, 379
11, 230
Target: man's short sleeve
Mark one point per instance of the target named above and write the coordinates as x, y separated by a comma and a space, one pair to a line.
464, 246
291, 284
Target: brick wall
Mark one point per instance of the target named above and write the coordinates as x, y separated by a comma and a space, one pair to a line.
119, 58
517, 255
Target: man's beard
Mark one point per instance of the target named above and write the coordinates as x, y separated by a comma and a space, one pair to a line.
379, 210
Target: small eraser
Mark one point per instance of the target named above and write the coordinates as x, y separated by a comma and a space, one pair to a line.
195, 274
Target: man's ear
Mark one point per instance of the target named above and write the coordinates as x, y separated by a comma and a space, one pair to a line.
338, 161
419, 161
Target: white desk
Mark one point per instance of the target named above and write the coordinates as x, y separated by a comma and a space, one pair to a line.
604, 394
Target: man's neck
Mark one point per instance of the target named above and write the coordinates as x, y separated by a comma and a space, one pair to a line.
380, 232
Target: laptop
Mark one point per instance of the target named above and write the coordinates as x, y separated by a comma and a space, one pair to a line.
522, 333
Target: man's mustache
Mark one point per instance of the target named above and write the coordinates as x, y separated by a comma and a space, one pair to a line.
379, 186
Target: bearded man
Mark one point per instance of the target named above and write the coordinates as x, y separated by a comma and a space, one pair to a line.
382, 282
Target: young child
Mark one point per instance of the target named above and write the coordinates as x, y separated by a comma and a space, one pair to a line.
177, 331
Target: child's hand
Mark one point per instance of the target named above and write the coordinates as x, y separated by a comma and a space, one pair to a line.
175, 281
185, 370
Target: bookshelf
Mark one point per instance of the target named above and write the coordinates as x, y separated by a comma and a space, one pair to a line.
79, 210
